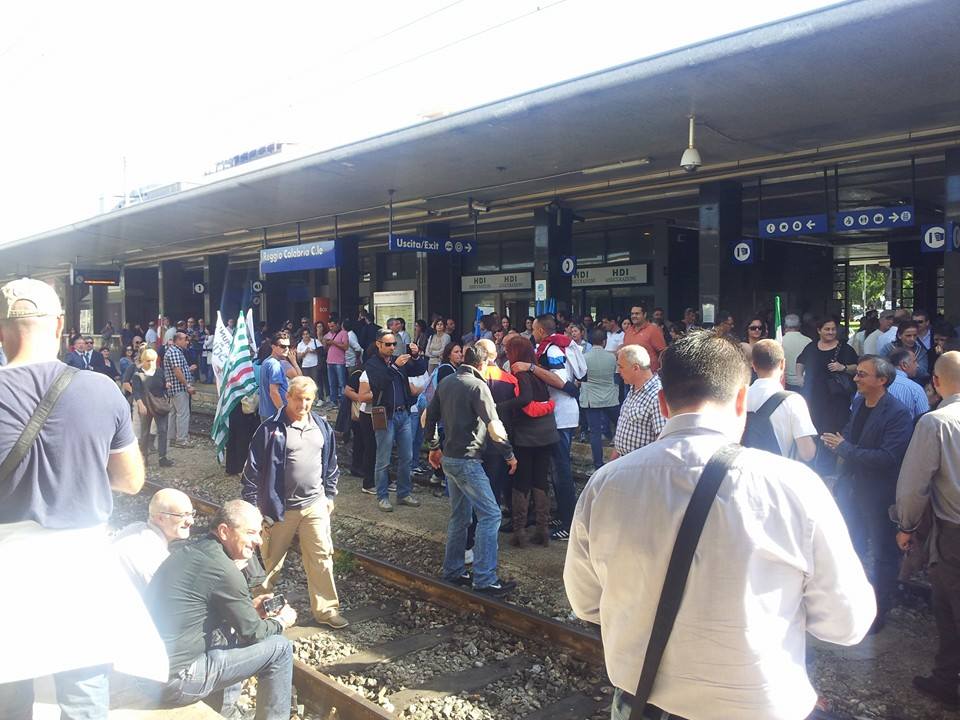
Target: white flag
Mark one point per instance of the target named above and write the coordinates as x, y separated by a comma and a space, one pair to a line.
221, 349
250, 334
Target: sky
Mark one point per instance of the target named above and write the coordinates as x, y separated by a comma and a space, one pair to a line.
107, 96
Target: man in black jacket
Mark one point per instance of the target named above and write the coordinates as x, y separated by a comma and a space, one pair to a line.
216, 634
386, 380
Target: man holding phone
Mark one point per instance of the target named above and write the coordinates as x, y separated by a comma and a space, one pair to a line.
387, 379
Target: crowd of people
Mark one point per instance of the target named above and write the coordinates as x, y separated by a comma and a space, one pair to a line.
826, 454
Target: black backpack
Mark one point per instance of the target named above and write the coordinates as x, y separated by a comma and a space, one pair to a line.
759, 431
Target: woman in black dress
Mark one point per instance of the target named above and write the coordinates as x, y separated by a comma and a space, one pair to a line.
829, 401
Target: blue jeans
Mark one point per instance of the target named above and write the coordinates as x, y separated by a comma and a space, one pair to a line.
601, 419
398, 431
470, 492
223, 671
563, 477
337, 376
82, 694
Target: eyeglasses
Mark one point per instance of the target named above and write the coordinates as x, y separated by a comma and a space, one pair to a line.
755, 328
862, 374
386, 344
184, 515
284, 346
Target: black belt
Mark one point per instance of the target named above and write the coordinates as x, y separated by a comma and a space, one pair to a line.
650, 712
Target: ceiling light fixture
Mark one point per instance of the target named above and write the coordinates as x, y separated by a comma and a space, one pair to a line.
621, 165
235, 232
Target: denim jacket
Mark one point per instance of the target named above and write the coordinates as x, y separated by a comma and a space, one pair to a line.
263, 475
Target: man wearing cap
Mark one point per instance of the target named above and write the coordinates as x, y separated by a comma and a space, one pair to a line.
54, 505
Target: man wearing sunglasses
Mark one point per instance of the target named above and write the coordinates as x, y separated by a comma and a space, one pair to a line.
273, 377
388, 386
142, 546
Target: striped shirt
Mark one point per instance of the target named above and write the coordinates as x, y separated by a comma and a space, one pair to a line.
640, 420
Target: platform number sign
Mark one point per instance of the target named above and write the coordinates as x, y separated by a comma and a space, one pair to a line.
743, 252
257, 286
933, 238
568, 265
199, 288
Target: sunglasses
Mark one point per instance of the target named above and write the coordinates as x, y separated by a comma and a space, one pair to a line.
386, 344
755, 328
285, 346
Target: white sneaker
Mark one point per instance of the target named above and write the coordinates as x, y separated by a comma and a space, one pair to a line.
468, 557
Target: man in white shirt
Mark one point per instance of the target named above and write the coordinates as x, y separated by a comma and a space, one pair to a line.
150, 336
614, 334
885, 322
142, 546
794, 342
885, 342
791, 421
774, 562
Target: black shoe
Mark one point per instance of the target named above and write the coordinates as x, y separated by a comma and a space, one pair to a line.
498, 589
165, 462
938, 690
465, 580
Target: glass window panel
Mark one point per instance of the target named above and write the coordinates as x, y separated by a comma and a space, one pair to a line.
516, 255
588, 248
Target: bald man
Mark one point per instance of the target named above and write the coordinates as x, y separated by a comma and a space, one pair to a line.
142, 546
930, 475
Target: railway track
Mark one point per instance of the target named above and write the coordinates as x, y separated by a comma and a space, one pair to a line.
462, 612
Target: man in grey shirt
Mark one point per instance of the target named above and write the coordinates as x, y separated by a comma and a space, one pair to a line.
291, 475
464, 403
930, 475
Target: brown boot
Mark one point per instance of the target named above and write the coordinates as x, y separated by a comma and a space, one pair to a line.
520, 502
541, 505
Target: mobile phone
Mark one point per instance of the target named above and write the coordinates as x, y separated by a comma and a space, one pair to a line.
271, 606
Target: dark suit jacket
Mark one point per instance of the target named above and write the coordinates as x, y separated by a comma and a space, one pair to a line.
75, 359
876, 458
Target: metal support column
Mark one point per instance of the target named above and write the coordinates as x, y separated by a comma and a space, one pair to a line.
552, 241
720, 224
951, 259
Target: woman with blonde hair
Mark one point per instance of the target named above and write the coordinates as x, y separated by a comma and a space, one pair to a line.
151, 402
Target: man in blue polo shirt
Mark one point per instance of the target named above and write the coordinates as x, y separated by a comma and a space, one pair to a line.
273, 376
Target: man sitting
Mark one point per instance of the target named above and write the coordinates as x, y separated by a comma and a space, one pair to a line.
216, 634
143, 546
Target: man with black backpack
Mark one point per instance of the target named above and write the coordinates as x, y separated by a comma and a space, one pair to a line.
777, 421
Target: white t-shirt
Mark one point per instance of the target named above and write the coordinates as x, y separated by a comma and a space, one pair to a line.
870, 344
793, 345
567, 409
791, 420
150, 337
614, 341
310, 359
141, 548
364, 407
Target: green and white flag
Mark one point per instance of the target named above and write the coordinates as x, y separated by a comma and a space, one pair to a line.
239, 380
777, 320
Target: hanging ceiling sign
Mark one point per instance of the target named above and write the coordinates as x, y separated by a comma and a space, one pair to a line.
414, 243
309, 256
790, 226
875, 218
933, 238
496, 281
611, 275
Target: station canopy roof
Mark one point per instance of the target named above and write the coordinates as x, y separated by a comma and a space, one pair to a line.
860, 74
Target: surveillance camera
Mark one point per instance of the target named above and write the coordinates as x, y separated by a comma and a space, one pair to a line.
690, 160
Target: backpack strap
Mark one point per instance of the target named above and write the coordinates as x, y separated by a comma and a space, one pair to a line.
771, 404
35, 424
684, 547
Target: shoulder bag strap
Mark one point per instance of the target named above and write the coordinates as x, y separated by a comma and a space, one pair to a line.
29, 435
679, 568
772, 403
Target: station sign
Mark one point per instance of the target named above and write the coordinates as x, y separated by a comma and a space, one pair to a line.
415, 243
496, 281
742, 252
875, 218
790, 226
612, 275
309, 256
933, 238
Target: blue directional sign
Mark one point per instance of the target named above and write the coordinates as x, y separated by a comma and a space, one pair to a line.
742, 252
568, 265
933, 238
789, 226
875, 218
414, 243
953, 233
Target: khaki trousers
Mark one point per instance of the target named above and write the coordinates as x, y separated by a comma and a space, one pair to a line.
316, 549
